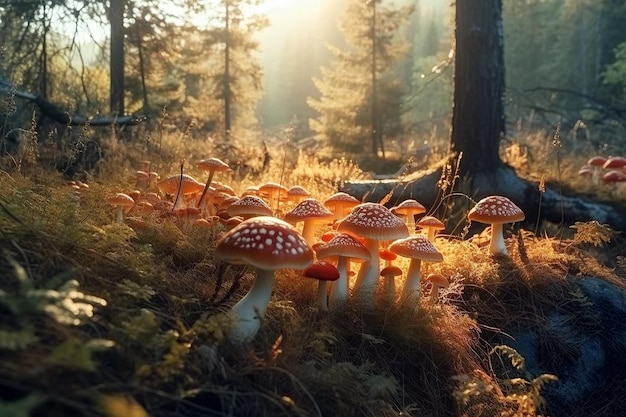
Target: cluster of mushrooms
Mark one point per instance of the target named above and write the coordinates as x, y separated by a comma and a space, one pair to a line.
350, 232
609, 170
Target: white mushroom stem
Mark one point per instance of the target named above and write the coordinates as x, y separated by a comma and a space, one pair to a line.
497, 246
339, 289
431, 231
321, 295
434, 294
367, 279
390, 288
308, 231
412, 286
249, 311
120, 215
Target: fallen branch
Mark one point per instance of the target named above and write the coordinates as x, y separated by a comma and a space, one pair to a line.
63, 117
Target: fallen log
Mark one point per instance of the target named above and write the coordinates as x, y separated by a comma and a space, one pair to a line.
548, 205
59, 115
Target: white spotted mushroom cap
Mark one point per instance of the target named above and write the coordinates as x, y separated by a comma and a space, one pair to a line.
416, 247
307, 209
249, 205
267, 243
373, 221
343, 244
495, 209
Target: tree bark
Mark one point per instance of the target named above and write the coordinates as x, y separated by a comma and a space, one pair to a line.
478, 115
116, 64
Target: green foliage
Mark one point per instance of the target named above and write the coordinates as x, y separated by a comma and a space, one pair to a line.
522, 393
64, 304
615, 73
360, 91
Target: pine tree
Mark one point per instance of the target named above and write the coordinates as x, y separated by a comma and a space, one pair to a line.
360, 93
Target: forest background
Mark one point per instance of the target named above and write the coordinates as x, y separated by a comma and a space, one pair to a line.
299, 68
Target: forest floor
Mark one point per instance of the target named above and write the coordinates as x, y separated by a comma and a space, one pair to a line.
99, 318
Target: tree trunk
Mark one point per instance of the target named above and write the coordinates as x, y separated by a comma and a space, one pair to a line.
227, 98
116, 17
478, 115
477, 127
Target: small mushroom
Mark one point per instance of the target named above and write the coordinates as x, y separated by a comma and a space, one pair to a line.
431, 225
323, 272
389, 273
418, 249
345, 248
212, 165
496, 210
121, 201
409, 209
437, 281
310, 211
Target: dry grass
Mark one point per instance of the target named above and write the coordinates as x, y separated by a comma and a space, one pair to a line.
158, 346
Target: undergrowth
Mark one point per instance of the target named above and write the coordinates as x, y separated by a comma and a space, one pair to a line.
100, 318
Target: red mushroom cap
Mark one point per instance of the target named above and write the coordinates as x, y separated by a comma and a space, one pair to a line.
340, 201
597, 161
121, 199
265, 242
432, 222
438, 280
322, 271
495, 209
212, 164
409, 207
373, 221
343, 245
614, 176
614, 162
189, 184
390, 271
416, 247
308, 209
249, 205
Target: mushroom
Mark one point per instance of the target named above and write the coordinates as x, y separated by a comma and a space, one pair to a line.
408, 209
344, 247
418, 249
496, 210
212, 165
390, 273
297, 193
375, 223
179, 185
323, 272
310, 211
272, 191
437, 281
596, 162
614, 162
267, 244
249, 206
431, 225
340, 204
121, 201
